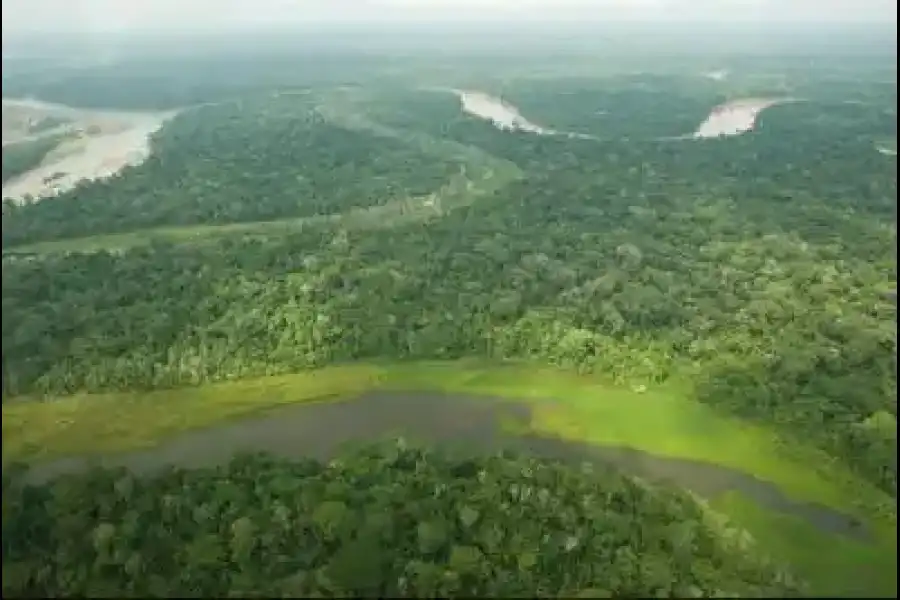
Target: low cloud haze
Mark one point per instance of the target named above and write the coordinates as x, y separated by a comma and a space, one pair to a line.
86, 16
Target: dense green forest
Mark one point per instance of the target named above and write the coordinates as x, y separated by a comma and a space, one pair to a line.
254, 160
388, 521
757, 264
757, 272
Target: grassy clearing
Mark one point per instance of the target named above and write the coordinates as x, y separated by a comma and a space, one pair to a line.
834, 565
122, 241
662, 421
35, 430
202, 233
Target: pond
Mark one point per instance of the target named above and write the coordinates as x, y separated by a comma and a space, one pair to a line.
460, 422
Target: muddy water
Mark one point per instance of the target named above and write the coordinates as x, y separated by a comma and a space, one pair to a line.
501, 114
98, 144
505, 116
472, 424
91, 157
735, 117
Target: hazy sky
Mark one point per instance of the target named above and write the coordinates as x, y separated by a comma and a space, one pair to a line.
129, 15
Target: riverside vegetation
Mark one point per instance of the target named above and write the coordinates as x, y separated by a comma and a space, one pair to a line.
282, 232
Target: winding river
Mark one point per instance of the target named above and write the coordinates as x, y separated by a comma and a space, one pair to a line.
731, 118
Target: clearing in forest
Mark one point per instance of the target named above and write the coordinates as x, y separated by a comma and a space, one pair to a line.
545, 412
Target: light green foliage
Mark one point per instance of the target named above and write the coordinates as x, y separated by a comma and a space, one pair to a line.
378, 522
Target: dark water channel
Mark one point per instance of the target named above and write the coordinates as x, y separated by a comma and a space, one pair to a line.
461, 422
